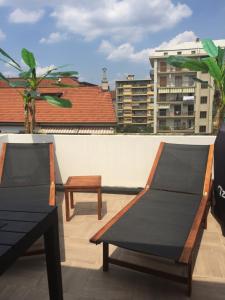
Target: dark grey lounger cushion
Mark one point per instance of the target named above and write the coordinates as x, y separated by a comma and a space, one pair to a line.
18, 198
181, 168
26, 165
158, 224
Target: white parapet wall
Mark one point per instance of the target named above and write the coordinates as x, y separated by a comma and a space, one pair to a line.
121, 160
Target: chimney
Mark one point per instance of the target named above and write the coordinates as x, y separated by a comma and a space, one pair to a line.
130, 77
105, 83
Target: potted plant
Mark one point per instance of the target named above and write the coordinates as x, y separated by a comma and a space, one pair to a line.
30, 83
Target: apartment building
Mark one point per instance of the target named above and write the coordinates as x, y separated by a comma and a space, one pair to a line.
182, 105
135, 102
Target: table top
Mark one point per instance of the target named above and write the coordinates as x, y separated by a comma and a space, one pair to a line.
83, 182
20, 226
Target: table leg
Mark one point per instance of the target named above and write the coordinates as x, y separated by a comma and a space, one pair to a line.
99, 204
52, 252
71, 200
67, 206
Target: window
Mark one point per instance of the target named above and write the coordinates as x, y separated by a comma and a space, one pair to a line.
163, 66
179, 53
165, 53
204, 85
203, 100
163, 81
162, 112
193, 52
162, 97
50, 94
202, 129
178, 81
203, 114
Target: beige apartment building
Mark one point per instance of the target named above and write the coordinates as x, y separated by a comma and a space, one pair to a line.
135, 102
182, 105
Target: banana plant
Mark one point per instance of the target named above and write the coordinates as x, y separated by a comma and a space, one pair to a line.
28, 85
214, 64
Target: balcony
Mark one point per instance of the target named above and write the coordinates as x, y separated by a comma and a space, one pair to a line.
176, 114
82, 262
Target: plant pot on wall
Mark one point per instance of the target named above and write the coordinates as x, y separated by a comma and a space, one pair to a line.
218, 205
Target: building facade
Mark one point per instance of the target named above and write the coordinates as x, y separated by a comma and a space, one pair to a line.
135, 102
182, 105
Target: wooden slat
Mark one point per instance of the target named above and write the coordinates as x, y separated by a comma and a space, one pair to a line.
190, 242
2, 159
96, 237
52, 162
155, 163
52, 175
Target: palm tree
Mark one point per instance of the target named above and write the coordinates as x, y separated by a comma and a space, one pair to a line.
214, 64
30, 83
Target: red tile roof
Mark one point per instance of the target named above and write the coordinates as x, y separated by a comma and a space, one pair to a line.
90, 105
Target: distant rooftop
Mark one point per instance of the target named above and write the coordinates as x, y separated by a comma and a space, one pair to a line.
187, 48
90, 105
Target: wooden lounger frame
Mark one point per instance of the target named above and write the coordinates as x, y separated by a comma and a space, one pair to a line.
190, 250
51, 199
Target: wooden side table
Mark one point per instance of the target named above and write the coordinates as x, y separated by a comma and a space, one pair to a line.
84, 183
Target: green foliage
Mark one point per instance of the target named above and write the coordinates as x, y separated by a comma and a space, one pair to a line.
210, 47
28, 58
30, 84
214, 64
57, 101
134, 129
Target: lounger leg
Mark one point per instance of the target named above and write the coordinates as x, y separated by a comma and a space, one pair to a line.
71, 200
67, 206
205, 222
189, 279
99, 204
105, 257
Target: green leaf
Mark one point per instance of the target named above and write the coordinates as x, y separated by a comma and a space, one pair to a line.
214, 69
9, 57
25, 74
58, 101
32, 94
65, 74
10, 64
221, 56
28, 58
188, 63
210, 47
22, 84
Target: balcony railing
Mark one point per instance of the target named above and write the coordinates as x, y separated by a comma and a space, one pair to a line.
177, 114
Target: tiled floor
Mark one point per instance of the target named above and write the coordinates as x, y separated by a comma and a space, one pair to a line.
82, 274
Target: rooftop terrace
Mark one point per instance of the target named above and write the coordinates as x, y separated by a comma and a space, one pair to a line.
122, 161
82, 266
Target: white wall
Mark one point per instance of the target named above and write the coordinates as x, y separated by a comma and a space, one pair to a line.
3, 139
122, 160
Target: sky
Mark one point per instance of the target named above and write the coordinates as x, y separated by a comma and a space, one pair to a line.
92, 34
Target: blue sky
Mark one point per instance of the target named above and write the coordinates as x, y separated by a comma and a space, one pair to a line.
92, 34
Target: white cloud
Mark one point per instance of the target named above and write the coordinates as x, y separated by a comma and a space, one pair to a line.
116, 20
127, 51
120, 20
54, 37
25, 16
2, 35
